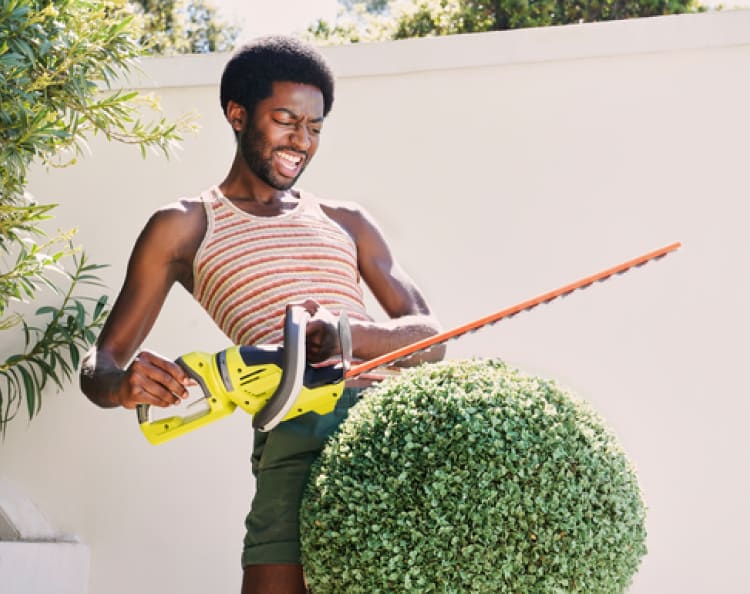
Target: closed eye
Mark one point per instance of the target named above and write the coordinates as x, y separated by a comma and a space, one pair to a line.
284, 122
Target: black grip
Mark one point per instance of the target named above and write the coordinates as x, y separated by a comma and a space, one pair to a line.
292, 370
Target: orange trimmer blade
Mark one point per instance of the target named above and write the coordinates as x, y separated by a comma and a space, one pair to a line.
408, 350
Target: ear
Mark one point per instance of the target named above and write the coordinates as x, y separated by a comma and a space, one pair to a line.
236, 116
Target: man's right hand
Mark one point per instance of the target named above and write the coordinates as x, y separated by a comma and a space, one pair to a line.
152, 379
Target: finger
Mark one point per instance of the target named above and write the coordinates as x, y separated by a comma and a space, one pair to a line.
149, 381
151, 394
144, 391
310, 305
315, 333
321, 341
177, 378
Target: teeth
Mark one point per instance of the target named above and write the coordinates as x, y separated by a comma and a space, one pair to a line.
292, 159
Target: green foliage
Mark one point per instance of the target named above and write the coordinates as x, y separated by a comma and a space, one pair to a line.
52, 351
57, 60
182, 27
403, 19
54, 57
467, 476
373, 6
356, 22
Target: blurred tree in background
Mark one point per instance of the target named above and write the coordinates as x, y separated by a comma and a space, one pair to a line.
378, 20
182, 27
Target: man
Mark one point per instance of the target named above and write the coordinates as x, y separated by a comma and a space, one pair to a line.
245, 249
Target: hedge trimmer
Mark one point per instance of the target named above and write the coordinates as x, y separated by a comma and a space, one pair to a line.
274, 383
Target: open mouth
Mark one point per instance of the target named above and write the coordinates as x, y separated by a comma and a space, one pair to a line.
289, 163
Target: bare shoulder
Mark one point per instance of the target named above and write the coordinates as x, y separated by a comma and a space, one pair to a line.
340, 207
179, 212
181, 221
173, 234
350, 215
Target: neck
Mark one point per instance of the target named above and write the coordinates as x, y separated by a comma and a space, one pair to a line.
250, 194
242, 185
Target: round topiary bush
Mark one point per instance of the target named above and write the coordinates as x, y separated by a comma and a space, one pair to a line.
467, 476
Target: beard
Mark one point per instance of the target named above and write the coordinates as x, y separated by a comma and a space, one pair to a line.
253, 146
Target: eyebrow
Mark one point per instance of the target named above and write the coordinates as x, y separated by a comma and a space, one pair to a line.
296, 116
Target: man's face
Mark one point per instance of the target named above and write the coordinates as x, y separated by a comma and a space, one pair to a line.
281, 138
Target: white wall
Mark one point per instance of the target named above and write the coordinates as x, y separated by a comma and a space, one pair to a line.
500, 166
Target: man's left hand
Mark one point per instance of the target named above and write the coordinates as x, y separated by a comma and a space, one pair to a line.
322, 332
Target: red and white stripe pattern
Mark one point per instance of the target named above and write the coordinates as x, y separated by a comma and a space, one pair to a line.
248, 268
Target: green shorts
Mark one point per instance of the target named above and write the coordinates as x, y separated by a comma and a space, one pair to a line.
281, 464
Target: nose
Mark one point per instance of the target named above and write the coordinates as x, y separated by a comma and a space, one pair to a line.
301, 137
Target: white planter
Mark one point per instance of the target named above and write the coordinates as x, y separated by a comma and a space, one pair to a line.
44, 567
34, 558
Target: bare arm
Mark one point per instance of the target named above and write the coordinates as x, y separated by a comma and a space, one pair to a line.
161, 256
410, 316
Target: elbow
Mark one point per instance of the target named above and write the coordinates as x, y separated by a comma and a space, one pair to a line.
437, 353
87, 385
86, 381
91, 383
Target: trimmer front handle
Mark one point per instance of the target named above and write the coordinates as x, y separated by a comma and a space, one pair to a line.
293, 371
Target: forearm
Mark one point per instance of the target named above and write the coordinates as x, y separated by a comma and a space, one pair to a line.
372, 339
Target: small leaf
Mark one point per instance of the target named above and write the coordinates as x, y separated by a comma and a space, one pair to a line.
32, 402
80, 315
100, 305
74, 355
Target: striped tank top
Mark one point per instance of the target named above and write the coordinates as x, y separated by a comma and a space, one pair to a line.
248, 268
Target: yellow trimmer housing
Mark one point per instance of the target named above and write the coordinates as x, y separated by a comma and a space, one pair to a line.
272, 383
